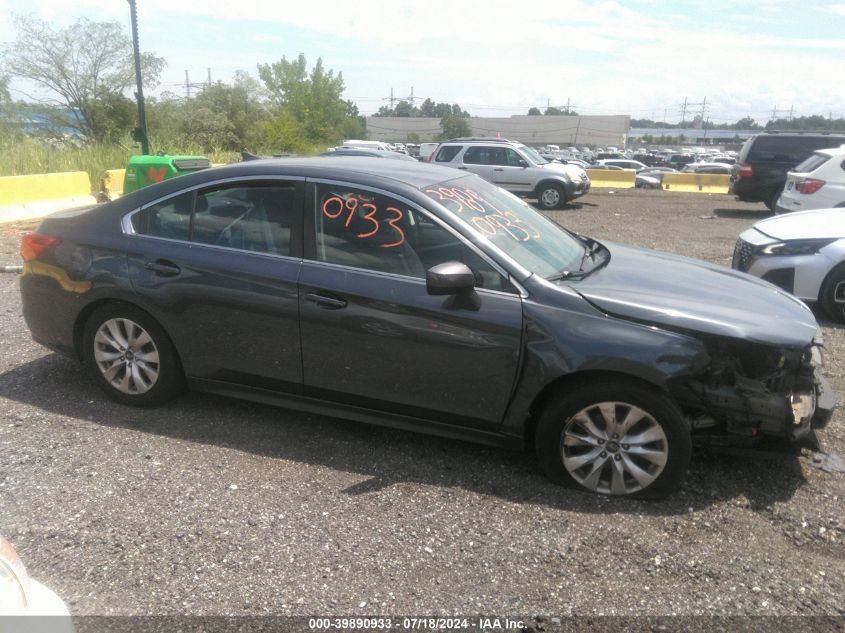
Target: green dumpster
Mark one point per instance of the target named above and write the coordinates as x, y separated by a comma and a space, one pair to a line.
147, 170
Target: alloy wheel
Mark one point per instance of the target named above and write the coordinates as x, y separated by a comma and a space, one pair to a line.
127, 356
614, 448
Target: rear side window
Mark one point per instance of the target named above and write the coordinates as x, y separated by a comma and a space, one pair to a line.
255, 217
813, 163
447, 153
789, 149
481, 156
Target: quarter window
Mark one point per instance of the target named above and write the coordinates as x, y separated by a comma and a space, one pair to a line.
170, 219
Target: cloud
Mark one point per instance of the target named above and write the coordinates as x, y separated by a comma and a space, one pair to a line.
606, 56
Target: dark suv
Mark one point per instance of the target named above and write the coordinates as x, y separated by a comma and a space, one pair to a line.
760, 172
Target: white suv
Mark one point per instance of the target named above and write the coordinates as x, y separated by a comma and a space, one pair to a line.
516, 168
817, 183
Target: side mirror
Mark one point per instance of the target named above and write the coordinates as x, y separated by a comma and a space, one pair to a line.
522, 163
449, 278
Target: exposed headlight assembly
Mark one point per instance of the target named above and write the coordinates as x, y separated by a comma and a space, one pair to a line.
796, 247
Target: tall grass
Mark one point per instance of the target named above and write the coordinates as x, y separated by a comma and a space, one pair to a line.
35, 156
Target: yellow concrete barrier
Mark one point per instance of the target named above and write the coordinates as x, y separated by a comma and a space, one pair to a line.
113, 183
704, 183
37, 195
615, 178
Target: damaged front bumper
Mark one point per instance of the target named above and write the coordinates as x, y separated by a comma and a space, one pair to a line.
791, 402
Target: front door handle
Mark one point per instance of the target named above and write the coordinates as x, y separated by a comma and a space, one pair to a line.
326, 301
462, 167
498, 169
163, 268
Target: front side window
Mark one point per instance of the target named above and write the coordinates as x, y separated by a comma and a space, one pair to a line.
366, 229
512, 159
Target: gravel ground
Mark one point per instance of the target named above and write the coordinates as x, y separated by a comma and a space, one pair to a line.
211, 506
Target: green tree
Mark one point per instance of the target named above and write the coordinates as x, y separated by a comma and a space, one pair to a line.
454, 126
87, 66
312, 101
534, 112
241, 109
746, 123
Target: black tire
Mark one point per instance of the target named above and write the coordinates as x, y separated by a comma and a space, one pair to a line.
772, 200
550, 196
146, 367
613, 459
828, 293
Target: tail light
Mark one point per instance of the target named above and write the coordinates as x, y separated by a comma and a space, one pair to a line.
429, 158
745, 171
809, 185
34, 245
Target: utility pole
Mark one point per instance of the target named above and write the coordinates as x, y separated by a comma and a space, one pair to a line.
209, 77
684, 111
187, 85
775, 113
567, 105
791, 107
391, 99
141, 132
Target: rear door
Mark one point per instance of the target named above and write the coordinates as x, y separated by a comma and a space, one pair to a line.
371, 334
218, 267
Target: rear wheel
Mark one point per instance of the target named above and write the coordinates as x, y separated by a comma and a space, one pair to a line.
130, 357
550, 196
615, 438
772, 201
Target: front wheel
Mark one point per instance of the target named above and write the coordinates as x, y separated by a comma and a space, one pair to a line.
130, 357
615, 438
832, 294
550, 197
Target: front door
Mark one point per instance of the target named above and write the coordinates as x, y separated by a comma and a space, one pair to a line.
371, 334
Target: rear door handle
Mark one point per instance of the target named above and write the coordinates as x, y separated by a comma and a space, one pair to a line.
326, 301
498, 169
462, 167
163, 268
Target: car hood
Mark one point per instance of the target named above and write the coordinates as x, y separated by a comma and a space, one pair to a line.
687, 294
804, 225
573, 171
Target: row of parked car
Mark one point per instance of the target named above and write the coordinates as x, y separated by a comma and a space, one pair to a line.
800, 176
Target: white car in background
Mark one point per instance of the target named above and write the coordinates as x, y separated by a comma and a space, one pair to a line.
817, 183
803, 253
21, 595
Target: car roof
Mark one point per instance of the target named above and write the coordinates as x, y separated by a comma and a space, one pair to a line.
358, 151
365, 170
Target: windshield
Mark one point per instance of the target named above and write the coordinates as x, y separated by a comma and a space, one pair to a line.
533, 155
533, 241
